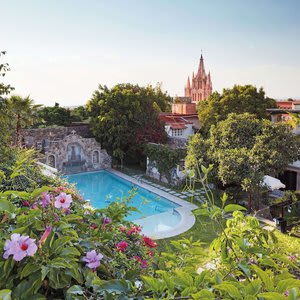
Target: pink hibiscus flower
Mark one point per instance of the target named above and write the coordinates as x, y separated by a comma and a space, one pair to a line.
19, 246
63, 201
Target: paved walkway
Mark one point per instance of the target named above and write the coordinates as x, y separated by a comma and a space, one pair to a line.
199, 194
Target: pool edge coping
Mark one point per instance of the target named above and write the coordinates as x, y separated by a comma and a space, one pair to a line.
185, 210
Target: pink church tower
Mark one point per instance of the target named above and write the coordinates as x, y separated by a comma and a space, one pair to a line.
201, 87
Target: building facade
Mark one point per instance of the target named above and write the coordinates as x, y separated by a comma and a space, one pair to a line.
200, 88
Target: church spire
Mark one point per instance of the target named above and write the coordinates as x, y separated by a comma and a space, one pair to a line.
201, 70
188, 85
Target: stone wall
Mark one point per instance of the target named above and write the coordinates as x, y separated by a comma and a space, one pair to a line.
68, 149
77, 154
33, 137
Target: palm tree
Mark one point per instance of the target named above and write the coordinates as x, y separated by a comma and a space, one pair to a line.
23, 113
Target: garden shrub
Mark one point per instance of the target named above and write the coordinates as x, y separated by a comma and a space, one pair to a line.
53, 245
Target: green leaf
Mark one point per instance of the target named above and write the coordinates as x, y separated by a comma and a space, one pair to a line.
58, 262
230, 289
5, 294
59, 243
28, 269
115, 286
271, 296
39, 191
5, 205
233, 207
71, 217
70, 251
253, 287
153, 284
188, 291
184, 279
203, 294
287, 284
75, 290
224, 199
265, 277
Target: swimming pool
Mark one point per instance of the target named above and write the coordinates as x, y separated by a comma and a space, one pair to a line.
157, 215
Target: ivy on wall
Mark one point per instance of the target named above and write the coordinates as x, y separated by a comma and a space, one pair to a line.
164, 158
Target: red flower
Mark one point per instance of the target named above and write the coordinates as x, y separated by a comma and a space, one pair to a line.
134, 229
149, 242
122, 229
26, 203
93, 226
143, 262
122, 246
150, 253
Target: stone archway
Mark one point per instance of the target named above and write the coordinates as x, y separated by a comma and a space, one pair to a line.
51, 161
96, 157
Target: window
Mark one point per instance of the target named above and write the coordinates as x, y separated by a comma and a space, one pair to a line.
177, 132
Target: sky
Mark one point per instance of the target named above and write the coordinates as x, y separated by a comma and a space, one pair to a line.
61, 50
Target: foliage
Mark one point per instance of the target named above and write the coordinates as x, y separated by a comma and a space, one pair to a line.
80, 114
243, 149
125, 117
5, 132
247, 261
21, 173
64, 235
60, 116
22, 113
164, 158
239, 99
5, 89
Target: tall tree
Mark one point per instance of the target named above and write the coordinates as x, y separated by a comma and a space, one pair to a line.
243, 149
125, 117
239, 99
23, 113
5, 130
56, 116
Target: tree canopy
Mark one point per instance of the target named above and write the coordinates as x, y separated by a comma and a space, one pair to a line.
126, 117
59, 116
5, 89
239, 99
22, 112
243, 149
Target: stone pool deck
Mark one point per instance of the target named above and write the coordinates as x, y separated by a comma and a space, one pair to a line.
185, 208
198, 194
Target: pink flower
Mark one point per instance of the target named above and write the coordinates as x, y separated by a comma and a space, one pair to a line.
92, 259
19, 246
26, 203
122, 246
134, 229
143, 262
45, 200
63, 201
149, 242
44, 236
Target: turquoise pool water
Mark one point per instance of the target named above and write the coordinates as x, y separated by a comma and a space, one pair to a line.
102, 187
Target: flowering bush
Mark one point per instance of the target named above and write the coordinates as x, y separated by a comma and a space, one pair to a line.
53, 245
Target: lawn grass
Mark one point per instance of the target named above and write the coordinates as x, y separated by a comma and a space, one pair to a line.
204, 230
